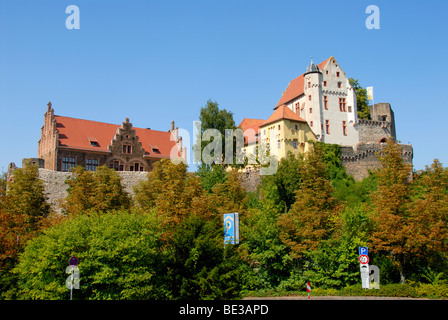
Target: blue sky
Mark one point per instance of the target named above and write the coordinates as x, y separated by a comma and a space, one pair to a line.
157, 61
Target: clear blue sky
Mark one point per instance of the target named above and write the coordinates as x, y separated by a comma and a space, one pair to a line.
157, 61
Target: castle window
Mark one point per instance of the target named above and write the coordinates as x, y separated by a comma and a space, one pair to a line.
339, 85
67, 163
296, 127
309, 84
344, 128
117, 165
91, 164
309, 97
327, 126
325, 83
278, 127
127, 148
326, 71
311, 123
342, 104
337, 74
311, 110
349, 108
326, 102
278, 144
294, 144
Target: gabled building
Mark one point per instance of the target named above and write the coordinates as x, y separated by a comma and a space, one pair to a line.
324, 98
283, 132
68, 142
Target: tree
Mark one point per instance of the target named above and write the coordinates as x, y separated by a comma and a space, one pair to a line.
26, 197
174, 192
428, 216
211, 175
211, 117
262, 250
119, 258
99, 190
200, 266
311, 217
286, 180
391, 230
361, 99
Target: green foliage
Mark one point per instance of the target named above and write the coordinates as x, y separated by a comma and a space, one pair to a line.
361, 99
200, 267
286, 181
99, 190
211, 117
26, 196
118, 258
210, 176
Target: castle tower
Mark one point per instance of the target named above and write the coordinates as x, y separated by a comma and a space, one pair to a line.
313, 99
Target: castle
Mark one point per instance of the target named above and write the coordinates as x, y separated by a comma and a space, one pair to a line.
320, 105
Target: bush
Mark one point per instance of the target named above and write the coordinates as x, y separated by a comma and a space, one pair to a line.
118, 252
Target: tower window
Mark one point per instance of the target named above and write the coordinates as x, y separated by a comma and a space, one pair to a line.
327, 126
342, 104
325, 83
344, 128
326, 102
339, 85
337, 74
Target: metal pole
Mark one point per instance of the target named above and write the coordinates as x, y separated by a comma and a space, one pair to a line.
71, 284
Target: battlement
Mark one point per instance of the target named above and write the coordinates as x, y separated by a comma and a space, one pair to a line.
363, 157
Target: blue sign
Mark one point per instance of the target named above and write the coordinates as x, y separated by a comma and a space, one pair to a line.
231, 228
363, 251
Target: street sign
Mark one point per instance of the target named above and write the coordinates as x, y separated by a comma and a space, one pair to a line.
363, 251
73, 261
363, 259
231, 228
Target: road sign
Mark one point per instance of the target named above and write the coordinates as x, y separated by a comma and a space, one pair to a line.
363, 259
363, 251
73, 261
231, 228
308, 289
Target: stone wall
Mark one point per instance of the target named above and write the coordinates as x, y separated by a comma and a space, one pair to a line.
363, 157
56, 188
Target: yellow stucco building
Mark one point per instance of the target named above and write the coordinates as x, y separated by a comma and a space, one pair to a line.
283, 132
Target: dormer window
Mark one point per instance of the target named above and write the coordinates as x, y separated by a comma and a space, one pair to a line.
93, 142
154, 149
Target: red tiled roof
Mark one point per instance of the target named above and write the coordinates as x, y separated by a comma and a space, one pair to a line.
77, 134
296, 87
250, 124
282, 112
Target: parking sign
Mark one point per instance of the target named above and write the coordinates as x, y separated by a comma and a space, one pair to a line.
363, 251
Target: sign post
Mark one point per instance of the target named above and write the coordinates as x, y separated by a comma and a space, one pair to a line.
308, 289
73, 270
364, 267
